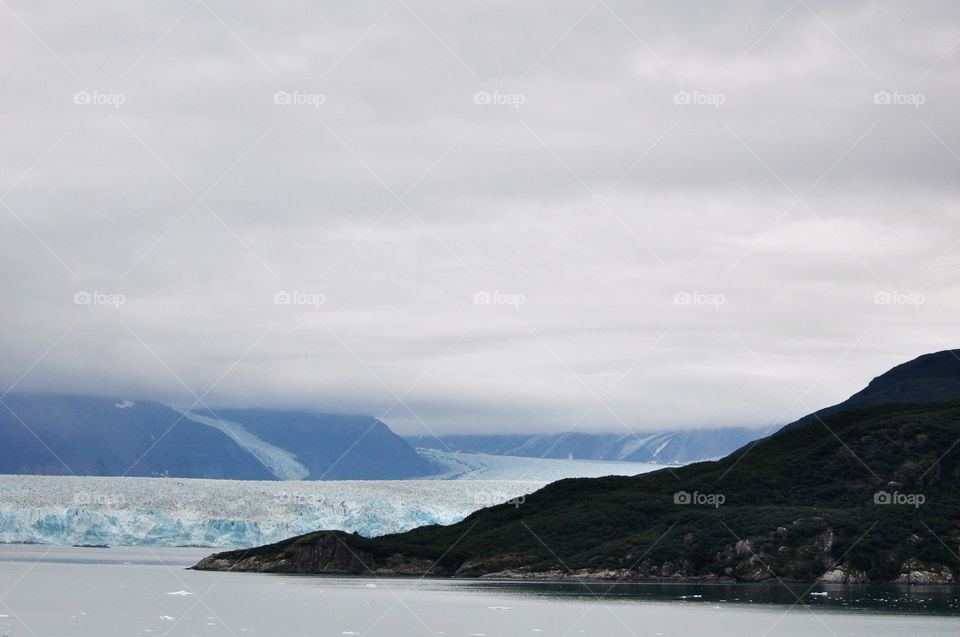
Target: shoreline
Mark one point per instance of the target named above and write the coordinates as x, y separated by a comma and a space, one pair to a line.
569, 578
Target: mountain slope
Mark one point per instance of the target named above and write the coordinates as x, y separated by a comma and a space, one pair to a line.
807, 502
53, 434
86, 435
334, 447
933, 377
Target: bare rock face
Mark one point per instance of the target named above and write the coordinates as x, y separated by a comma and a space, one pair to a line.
843, 576
914, 572
324, 552
824, 541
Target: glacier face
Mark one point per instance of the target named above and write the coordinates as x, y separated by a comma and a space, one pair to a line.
230, 513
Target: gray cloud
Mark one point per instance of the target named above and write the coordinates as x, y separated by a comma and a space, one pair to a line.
812, 230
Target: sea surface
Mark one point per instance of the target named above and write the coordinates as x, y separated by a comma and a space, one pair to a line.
67, 591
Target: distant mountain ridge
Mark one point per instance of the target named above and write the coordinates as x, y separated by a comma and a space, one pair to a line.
664, 447
60, 434
933, 377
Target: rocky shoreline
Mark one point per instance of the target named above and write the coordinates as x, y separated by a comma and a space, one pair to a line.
329, 553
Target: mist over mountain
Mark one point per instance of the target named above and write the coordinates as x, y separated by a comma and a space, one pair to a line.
59, 434
928, 378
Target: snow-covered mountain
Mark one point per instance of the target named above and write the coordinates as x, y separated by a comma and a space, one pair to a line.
663, 447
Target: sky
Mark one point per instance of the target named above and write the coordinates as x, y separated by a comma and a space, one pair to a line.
479, 216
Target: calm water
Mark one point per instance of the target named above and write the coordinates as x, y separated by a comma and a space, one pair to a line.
61, 591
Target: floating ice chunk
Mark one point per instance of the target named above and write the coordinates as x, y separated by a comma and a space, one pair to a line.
124, 404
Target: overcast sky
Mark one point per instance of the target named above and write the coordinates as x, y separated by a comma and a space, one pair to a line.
486, 216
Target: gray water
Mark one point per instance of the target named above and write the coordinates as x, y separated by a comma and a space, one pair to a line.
63, 591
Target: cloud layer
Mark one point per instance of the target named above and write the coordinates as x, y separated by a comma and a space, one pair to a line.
490, 217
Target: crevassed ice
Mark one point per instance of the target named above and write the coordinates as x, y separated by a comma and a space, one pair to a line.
229, 513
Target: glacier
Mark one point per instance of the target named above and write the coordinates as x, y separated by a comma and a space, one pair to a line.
134, 511
280, 462
85, 510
